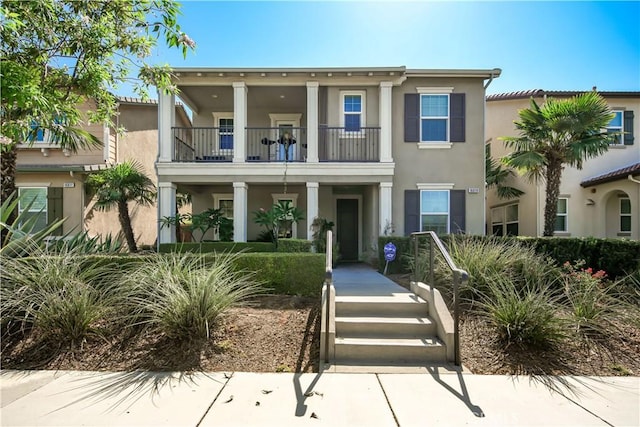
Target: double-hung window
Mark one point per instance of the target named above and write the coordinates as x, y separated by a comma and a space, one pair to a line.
562, 216
353, 111
434, 211
617, 126
625, 215
33, 206
434, 117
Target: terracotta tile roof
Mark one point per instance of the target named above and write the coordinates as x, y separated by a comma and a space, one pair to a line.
523, 94
613, 175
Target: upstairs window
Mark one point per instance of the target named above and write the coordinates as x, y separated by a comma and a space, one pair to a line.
226, 133
434, 118
353, 111
616, 126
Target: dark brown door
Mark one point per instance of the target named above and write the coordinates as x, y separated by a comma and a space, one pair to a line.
347, 229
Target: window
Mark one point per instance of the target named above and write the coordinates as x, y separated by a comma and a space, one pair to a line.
353, 111
616, 126
625, 215
434, 118
226, 134
562, 215
33, 201
434, 211
504, 220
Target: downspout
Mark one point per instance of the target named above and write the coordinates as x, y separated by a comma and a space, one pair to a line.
632, 179
484, 167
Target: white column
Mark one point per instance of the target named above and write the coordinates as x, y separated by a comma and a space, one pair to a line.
385, 205
239, 122
166, 119
166, 207
312, 206
240, 211
312, 122
385, 122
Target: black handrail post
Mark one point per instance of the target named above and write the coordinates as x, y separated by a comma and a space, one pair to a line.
456, 317
431, 261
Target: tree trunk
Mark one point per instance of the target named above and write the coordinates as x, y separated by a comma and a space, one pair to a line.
9, 153
125, 223
553, 175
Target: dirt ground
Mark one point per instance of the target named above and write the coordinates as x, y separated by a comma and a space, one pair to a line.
281, 334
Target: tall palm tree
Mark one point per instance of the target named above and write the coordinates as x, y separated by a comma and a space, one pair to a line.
119, 185
558, 133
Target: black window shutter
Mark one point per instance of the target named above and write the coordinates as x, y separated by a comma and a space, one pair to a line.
457, 208
411, 211
628, 128
54, 207
457, 117
411, 117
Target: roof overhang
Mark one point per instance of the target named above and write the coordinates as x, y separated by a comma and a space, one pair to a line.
614, 175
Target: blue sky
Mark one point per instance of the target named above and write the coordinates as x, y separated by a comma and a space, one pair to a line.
548, 45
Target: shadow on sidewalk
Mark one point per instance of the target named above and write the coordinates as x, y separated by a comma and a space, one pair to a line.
463, 394
312, 335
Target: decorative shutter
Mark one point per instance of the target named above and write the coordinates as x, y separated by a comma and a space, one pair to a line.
457, 104
457, 208
411, 211
54, 207
411, 117
628, 128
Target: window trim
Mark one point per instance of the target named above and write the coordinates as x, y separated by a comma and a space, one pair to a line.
448, 213
447, 119
363, 110
620, 214
566, 215
618, 128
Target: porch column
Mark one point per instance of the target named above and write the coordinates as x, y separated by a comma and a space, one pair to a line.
385, 122
385, 206
312, 206
166, 119
239, 122
240, 211
166, 207
312, 122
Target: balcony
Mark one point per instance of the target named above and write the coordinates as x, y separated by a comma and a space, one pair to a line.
275, 144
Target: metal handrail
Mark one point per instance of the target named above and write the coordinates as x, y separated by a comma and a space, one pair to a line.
328, 280
459, 276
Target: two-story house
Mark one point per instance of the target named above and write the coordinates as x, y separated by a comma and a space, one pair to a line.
55, 177
375, 150
601, 200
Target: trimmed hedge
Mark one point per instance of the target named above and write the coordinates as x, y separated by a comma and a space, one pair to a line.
281, 273
294, 245
206, 247
615, 256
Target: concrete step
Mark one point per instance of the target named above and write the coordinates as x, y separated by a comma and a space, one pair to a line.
402, 305
389, 350
384, 326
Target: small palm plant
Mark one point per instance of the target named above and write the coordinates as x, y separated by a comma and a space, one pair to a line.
281, 215
119, 185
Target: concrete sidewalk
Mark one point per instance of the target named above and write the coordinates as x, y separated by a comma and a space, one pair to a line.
439, 397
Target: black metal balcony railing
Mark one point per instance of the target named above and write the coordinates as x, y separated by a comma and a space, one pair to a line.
267, 144
276, 144
335, 144
203, 144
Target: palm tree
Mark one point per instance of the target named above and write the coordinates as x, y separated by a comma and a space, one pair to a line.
119, 185
558, 133
497, 176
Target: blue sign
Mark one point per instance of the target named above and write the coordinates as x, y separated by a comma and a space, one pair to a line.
389, 251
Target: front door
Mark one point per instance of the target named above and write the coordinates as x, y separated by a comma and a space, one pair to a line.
347, 229
286, 141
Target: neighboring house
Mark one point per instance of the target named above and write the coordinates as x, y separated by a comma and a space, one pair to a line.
601, 200
55, 177
372, 149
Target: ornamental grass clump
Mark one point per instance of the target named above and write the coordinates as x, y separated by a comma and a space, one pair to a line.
181, 296
57, 296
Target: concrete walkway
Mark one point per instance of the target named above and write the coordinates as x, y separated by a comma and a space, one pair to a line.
437, 398
362, 279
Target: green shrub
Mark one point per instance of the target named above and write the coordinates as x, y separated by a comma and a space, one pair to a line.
521, 316
286, 273
182, 296
58, 295
294, 245
217, 247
